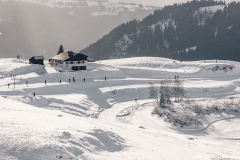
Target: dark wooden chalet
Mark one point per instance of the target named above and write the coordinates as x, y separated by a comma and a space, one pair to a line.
37, 60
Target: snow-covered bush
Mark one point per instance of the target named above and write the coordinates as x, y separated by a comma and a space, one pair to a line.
157, 110
224, 68
198, 109
232, 105
164, 107
216, 106
182, 119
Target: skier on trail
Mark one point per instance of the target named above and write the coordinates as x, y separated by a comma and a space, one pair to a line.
73, 79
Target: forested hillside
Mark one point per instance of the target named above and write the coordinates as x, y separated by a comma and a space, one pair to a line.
189, 31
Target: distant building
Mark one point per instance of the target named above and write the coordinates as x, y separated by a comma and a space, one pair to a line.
70, 61
91, 60
36, 60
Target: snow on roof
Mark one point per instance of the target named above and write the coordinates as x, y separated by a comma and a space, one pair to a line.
63, 56
38, 57
66, 55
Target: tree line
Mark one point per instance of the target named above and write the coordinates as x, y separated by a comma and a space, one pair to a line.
179, 31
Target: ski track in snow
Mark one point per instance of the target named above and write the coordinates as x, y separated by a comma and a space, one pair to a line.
99, 119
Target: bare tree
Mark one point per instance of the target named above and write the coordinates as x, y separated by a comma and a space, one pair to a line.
152, 91
165, 92
178, 89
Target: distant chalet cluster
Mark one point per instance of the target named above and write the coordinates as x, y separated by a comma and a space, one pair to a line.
67, 61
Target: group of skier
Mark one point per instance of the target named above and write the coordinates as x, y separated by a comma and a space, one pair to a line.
69, 80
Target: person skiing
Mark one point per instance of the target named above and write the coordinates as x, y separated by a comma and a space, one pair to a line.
27, 83
105, 78
84, 79
60, 81
45, 82
69, 80
73, 79
34, 94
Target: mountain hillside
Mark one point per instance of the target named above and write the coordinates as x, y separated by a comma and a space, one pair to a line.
39, 27
190, 31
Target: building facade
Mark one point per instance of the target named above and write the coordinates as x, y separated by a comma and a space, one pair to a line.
70, 61
37, 60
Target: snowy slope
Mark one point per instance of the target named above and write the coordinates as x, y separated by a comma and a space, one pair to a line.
100, 119
211, 9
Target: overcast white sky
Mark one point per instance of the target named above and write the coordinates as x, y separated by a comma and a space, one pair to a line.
156, 2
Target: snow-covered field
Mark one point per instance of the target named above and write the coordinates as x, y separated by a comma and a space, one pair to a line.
100, 119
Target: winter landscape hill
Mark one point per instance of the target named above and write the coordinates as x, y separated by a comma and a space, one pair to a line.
195, 30
115, 118
41, 26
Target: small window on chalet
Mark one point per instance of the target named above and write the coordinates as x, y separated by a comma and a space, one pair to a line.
79, 62
71, 63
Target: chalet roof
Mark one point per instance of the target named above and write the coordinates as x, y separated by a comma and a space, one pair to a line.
69, 56
38, 57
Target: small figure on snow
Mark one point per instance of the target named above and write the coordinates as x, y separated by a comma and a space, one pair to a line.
69, 80
84, 79
27, 83
73, 79
45, 82
105, 78
8, 85
60, 81
34, 94
136, 100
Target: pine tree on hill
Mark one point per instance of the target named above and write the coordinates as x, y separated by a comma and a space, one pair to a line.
60, 50
177, 32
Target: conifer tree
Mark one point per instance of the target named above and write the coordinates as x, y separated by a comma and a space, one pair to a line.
61, 50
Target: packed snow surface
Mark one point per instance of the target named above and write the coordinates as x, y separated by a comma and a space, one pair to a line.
100, 119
